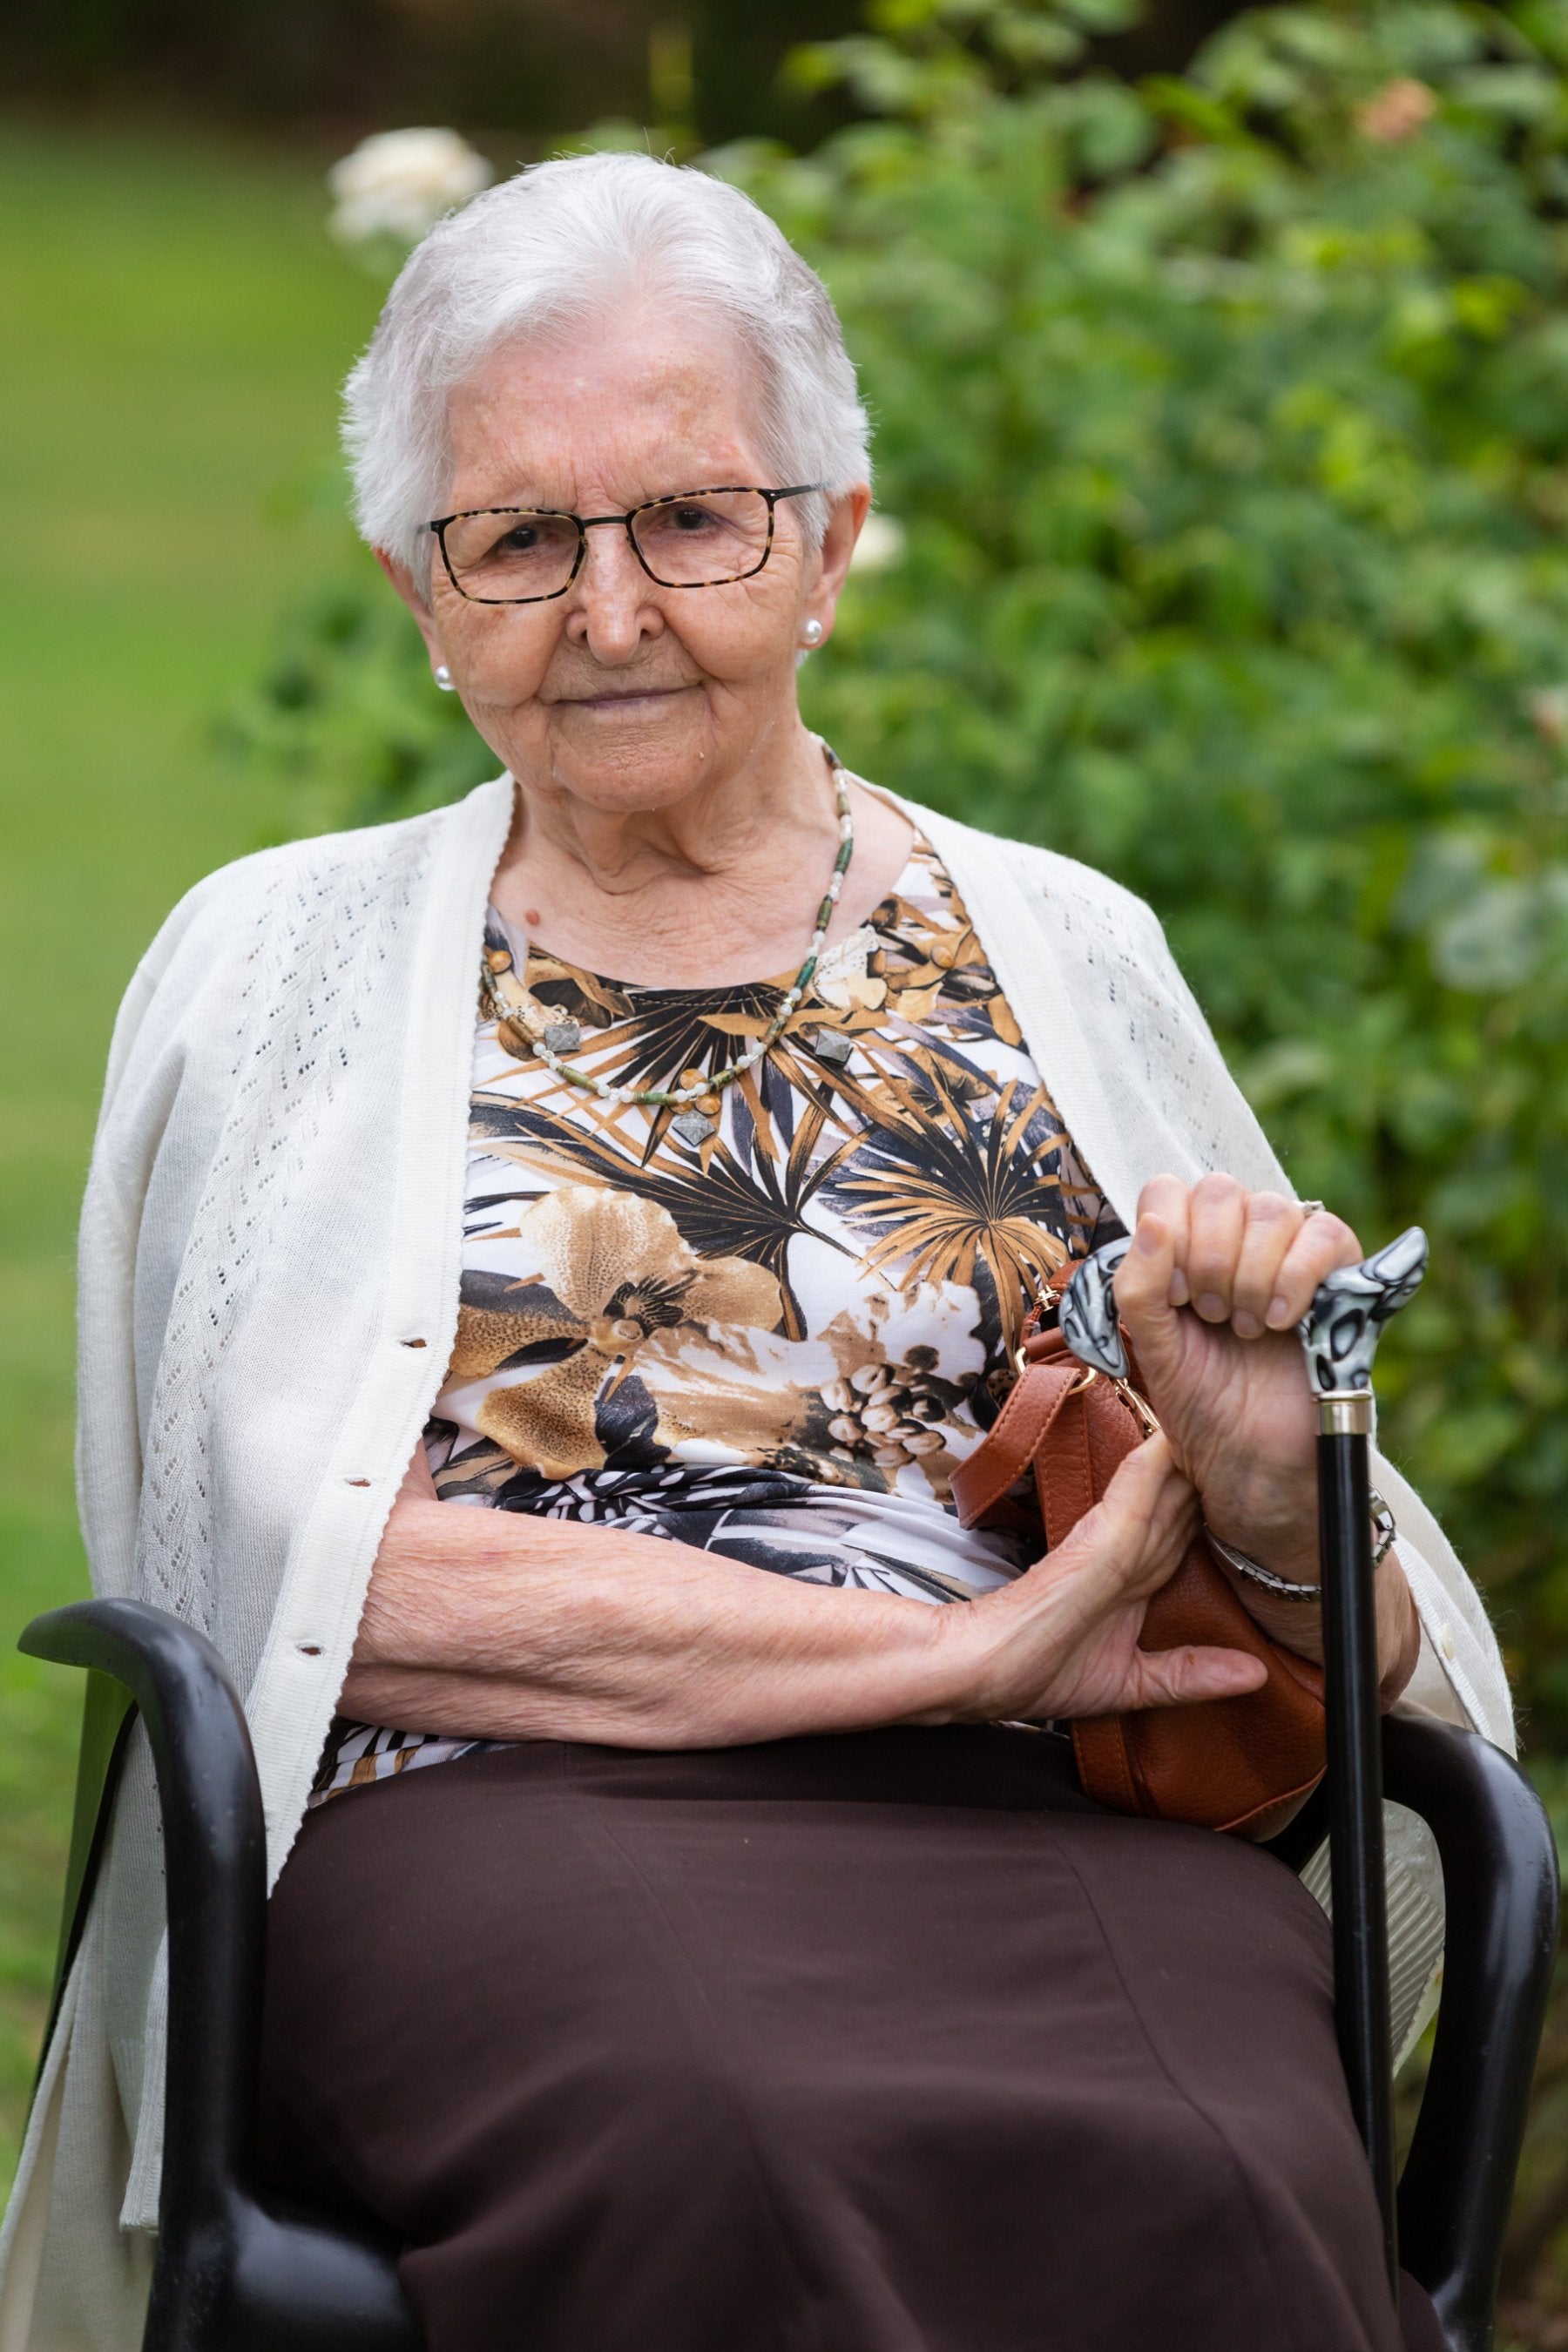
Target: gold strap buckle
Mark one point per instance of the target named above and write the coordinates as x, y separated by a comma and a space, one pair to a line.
1137, 1405
1140, 1407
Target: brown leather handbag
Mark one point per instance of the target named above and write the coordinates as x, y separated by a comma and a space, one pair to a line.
1243, 1765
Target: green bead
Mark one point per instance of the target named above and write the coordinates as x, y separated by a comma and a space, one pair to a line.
824, 914
807, 968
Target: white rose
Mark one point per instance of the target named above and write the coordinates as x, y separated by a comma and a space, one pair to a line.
880, 543
399, 184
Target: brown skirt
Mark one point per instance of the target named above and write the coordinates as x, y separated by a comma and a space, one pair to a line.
876, 2043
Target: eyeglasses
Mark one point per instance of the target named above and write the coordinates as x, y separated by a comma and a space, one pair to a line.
693, 539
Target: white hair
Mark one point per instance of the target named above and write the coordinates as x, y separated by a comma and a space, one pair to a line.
565, 241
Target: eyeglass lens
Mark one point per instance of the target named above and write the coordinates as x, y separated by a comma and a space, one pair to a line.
695, 542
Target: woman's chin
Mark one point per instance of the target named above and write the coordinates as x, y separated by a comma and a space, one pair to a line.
641, 752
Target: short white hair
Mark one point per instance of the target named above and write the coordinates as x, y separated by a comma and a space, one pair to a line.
561, 241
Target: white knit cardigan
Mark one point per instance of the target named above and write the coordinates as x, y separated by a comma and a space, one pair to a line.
270, 1253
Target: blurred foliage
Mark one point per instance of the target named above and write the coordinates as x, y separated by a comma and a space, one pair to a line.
516, 68
1227, 419
1237, 567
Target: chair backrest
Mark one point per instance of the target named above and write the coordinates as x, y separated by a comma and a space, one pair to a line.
107, 1718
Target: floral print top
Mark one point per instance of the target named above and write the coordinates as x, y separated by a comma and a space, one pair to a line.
773, 1329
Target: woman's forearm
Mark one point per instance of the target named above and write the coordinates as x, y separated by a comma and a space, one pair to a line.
496, 1625
478, 1622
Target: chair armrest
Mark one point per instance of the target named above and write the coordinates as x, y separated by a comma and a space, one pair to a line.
214, 1866
1501, 1897
231, 2273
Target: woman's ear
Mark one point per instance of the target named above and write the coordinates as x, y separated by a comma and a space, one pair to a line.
845, 521
403, 580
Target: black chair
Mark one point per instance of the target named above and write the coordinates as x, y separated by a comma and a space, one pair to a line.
238, 2273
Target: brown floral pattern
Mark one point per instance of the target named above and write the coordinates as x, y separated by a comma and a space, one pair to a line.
780, 1339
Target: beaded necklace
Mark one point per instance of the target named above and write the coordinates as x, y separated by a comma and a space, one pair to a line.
693, 1126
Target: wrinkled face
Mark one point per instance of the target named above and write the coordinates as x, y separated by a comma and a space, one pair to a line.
624, 692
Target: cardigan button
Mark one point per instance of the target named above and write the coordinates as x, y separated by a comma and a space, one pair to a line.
1445, 1640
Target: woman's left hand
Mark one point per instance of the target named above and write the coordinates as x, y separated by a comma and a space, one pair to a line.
1211, 1292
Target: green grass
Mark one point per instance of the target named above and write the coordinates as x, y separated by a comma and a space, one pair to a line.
176, 324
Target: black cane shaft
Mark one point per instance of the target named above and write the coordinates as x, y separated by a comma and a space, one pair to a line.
1355, 1810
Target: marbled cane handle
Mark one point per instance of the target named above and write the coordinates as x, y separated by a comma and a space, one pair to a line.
1344, 1323
1339, 1332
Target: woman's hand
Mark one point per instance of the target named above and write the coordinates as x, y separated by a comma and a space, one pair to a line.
1062, 1641
1211, 1292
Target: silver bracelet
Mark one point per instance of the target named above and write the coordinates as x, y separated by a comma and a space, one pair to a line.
1384, 1532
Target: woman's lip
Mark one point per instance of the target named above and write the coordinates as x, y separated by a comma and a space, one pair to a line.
618, 702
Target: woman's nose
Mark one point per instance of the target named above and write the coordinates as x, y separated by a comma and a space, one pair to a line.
613, 601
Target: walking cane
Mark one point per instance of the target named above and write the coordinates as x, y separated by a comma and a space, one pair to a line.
1340, 1335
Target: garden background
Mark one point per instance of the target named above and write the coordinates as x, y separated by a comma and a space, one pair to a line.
1220, 370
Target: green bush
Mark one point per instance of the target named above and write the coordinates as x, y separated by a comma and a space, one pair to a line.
1226, 420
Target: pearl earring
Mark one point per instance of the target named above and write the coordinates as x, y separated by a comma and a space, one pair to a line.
444, 678
813, 633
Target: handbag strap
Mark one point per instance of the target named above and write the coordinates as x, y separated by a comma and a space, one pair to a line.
1047, 1403
1044, 1426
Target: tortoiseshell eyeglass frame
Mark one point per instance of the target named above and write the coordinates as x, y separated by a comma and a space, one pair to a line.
585, 523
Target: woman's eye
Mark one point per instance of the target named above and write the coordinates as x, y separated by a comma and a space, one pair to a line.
690, 519
521, 539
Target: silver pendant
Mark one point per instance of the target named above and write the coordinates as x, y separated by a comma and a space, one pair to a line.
564, 1036
831, 1045
693, 1127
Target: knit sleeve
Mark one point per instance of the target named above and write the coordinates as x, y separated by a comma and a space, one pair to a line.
131, 1114
174, 1002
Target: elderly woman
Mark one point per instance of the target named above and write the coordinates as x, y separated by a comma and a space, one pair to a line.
545, 1265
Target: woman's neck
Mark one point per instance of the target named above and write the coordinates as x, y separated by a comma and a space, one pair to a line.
716, 830
721, 886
